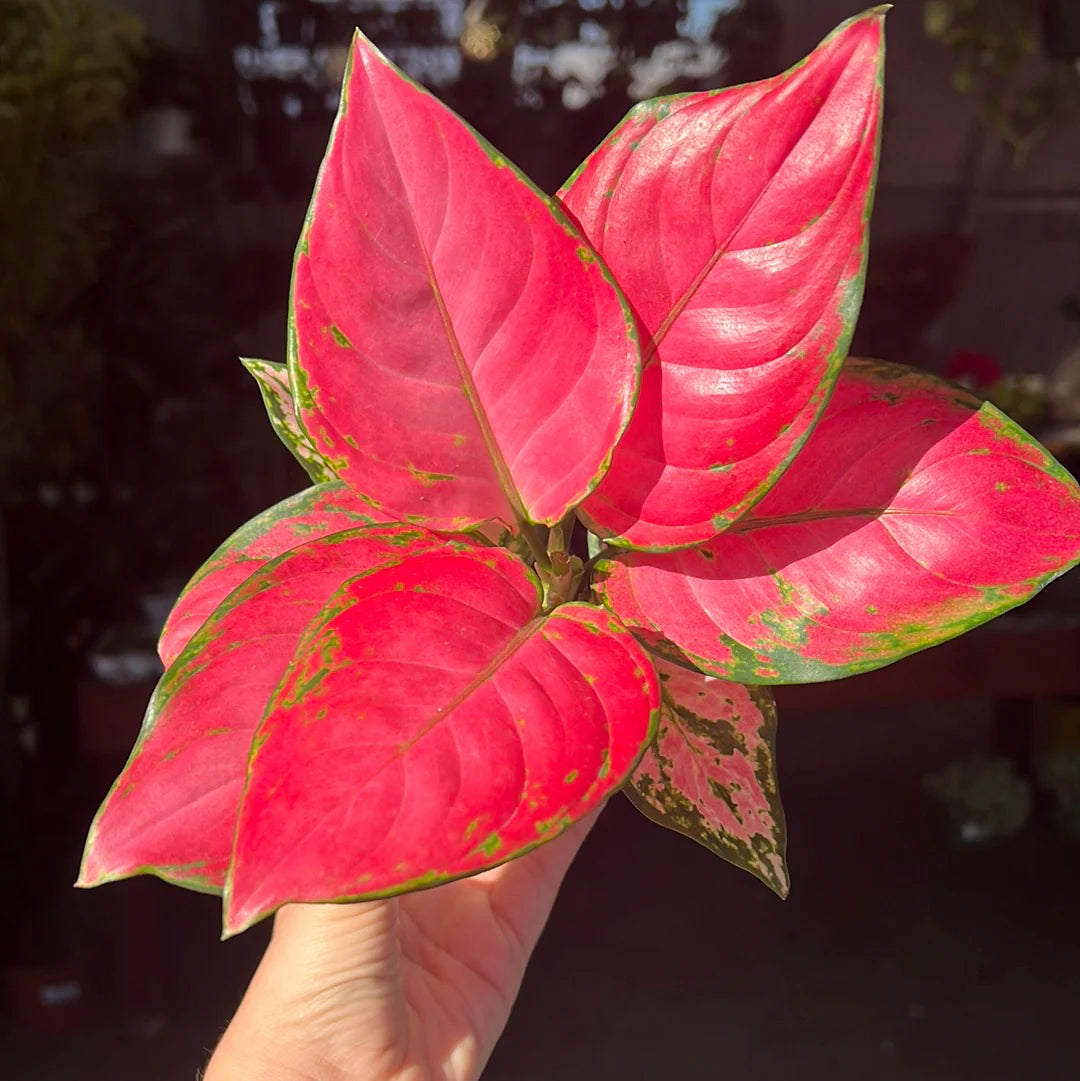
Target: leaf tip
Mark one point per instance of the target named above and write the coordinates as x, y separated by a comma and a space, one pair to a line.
242, 909
229, 931
93, 872
780, 884
236, 918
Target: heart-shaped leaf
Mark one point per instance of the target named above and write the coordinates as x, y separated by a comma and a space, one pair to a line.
459, 353
273, 380
173, 809
736, 223
913, 514
434, 723
315, 512
710, 772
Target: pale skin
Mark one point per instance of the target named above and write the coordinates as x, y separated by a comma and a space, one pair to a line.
416, 988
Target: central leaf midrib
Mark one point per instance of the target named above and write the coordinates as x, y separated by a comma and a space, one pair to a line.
688, 294
721, 250
443, 713
517, 640
502, 470
799, 517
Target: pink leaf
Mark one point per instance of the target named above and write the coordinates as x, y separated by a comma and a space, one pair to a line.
459, 352
172, 811
912, 515
710, 772
434, 723
736, 223
315, 512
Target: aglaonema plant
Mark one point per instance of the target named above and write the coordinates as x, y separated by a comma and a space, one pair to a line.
422, 665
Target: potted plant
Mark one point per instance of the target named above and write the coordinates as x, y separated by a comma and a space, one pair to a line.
590, 474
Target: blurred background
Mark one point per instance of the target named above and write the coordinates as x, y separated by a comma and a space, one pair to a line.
155, 161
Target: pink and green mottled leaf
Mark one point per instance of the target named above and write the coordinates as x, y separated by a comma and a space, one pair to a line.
710, 772
459, 354
315, 512
434, 723
273, 380
172, 811
736, 223
913, 514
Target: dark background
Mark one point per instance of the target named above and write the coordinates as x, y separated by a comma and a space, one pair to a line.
155, 162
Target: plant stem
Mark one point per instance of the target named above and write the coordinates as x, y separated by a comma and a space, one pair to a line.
562, 581
537, 543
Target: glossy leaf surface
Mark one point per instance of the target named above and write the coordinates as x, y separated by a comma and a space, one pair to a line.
434, 723
273, 380
710, 773
315, 512
459, 353
736, 223
172, 811
913, 514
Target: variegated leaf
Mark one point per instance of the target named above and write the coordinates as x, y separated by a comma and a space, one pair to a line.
736, 222
710, 773
172, 811
314, 512
458, 351
435, 722
913, 514
273, 380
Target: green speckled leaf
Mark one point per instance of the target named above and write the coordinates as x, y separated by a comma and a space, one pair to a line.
710, 773
736, 222
312, 513
457, 350
434, 722
273, 380
914, 513
172, 811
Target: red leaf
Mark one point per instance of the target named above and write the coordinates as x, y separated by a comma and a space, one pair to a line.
459, 352
912, 515
172, 811
710, 772
315, 512
434, 723
736, 223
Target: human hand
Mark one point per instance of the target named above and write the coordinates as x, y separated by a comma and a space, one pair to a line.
415, 988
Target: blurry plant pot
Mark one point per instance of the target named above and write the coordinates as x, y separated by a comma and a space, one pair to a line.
48, 999
983, 798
